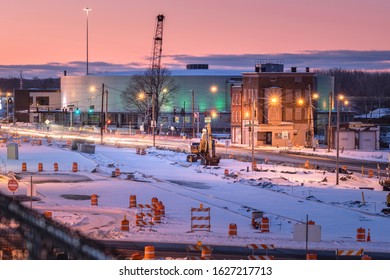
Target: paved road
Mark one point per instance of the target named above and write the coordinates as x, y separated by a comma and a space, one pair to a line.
177, 250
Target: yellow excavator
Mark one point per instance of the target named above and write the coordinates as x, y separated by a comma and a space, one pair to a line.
205, 150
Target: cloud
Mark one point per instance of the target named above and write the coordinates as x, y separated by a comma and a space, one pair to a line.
345, 59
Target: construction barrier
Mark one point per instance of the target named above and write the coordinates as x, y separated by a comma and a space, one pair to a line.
161, 207
143, 152
307, 165
366, 257
200, 219
370, 173
40, 167
154, 201
94, 200
149, 253
264, 224
48, 214
357, 253
117, 172
232, 230
133, 201
55, 166
137, 151
24, 167
136, 256
264, 258
156, 216
226, 172
368, 236
125, 225
75, 167
254, 165
311, 256
206, 251
39, 142
361, 235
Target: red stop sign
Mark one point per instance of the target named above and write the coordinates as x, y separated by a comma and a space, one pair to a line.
13, 185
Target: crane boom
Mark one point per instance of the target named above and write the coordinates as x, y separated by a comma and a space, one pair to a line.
157, 48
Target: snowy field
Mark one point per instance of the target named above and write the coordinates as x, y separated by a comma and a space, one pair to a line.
286, 195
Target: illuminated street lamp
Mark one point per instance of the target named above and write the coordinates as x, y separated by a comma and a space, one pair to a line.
340, 100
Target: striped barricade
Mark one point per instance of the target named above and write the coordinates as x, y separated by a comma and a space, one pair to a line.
354, 253
264, 258
145, 206
200, 219
206, 251
265, 247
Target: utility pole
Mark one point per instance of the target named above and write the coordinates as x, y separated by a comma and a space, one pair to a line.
193, 113
330, 121
253, 134
102, 120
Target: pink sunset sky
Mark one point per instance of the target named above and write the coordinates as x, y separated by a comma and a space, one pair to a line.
44, 35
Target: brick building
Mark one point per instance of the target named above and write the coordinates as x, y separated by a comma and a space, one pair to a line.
277, 105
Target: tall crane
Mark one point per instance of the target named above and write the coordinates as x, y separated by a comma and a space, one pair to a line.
157, 47
156, 67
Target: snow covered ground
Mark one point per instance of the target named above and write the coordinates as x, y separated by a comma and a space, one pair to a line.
285, 194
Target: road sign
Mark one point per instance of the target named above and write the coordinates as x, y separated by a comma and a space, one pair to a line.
284, 134
13, 185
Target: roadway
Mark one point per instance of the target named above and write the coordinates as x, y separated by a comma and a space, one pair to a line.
177, 250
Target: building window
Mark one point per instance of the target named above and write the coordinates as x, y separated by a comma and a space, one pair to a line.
298, 114
42, 100
289, 114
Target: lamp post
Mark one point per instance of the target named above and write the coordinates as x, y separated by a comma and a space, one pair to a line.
330, 121
193, 113
340, 99
87, 10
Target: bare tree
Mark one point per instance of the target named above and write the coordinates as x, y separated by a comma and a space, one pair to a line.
137, 97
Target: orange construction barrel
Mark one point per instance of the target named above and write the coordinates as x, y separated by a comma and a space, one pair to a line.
311, 256
75, 167
48, 214
370, 173
125, 224
149, 253
156, 216
311, 222
206, 252
361, 235
137, 151
264, 224
117, 172
154, 201
55, 166
161, 207
232, 230
24, 167
366, 257
133, 201
226, 172
94, 199
40, 167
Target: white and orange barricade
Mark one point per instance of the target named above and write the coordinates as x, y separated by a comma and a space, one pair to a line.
200, 219
260, 246
206, 251
354, 253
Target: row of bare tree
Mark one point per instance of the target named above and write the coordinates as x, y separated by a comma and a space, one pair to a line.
367, 90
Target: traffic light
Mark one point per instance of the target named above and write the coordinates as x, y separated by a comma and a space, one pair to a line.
77, 112
182, 112
91, 109
174, 111
108, 121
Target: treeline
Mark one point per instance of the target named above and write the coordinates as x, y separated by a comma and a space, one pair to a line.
366, 90
9, 84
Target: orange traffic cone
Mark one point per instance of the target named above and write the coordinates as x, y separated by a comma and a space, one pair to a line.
368, 236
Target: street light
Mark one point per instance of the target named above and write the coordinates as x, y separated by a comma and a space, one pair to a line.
310, 116
87, 10
340, 99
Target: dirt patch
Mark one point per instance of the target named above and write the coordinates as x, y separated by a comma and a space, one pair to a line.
76, 196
